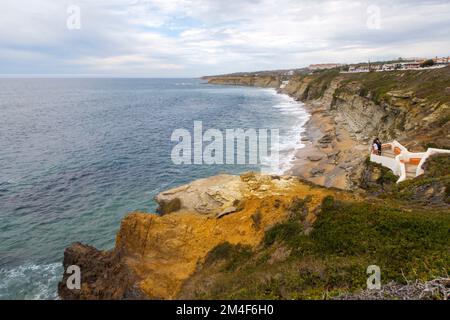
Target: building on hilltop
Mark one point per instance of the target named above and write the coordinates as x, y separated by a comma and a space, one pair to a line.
411, 65
358, 69
442, 61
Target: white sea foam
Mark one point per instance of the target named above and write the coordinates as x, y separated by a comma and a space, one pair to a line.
290, 141
30, 282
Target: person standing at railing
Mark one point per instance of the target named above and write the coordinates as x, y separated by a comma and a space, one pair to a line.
375, 148
379, 145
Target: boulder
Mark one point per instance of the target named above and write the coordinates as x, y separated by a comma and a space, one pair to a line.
326, 139
204, 196
317, 171
314, 158
401, 94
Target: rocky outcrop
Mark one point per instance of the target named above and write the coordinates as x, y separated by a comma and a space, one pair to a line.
155, 254
210, 196
104, 275
269, 81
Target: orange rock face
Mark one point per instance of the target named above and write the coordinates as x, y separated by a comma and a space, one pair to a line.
161, 252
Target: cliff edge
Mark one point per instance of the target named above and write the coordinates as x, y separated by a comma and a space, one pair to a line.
296, 237
349, 110
155, 254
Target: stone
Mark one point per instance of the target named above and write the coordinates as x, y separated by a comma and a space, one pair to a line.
168, 206
314, 158
317, 171
205, 196
333, 154
326, 139
401, 94
226, 211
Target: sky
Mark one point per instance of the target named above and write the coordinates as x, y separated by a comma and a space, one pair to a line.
191, 38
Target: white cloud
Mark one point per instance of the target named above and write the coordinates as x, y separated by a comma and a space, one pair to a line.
196, 37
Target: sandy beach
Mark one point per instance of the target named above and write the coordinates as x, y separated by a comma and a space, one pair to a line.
332, 155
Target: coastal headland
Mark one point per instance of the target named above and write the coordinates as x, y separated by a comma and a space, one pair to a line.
311, 233
348, 111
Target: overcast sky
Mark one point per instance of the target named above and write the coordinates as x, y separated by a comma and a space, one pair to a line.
189, 38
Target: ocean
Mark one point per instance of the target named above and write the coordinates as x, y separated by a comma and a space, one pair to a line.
76, 155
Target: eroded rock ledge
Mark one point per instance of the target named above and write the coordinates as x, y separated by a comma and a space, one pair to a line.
155, 254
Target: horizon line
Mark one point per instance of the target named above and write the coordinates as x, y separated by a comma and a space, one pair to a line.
81, 76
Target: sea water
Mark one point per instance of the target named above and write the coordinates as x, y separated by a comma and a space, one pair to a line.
76, 155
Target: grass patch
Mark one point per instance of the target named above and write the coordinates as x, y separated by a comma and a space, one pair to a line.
346, 239
438, 165
426, 84
287, 232
232, 255
399, 241
321, 82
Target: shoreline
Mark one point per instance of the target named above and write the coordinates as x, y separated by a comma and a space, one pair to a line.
331, 153
285, 163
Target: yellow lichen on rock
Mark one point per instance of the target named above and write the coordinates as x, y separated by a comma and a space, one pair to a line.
163, 251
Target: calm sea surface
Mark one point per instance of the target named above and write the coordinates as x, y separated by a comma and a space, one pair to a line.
76, 155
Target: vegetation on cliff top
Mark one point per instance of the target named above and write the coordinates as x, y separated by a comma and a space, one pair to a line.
333, 258
408, 240
320, 82
425, 84
432, 189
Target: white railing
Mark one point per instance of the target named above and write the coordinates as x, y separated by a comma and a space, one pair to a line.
402, 167
426, 155
397, 144
387, 162
397, 164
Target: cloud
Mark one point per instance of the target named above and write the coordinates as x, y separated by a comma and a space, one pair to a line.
197, 37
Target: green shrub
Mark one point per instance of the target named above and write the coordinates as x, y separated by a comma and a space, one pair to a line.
232, 255
346, 238
288, 232
437, 165
427, 63
394, 239
298, 209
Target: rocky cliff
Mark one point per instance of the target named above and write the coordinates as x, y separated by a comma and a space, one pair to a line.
155, 254
410, 106
349, 110
272, 237
268, 81
281, 237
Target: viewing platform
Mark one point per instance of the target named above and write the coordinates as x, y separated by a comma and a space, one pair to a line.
405, 164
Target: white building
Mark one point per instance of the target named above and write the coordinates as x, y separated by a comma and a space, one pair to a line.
390, 66
410, 65
442, 61
359, 69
